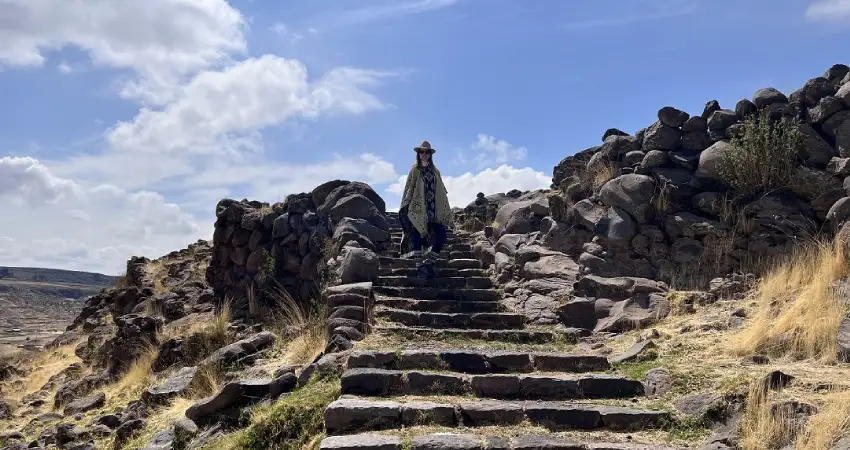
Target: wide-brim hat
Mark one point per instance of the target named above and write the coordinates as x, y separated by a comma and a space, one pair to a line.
424, 146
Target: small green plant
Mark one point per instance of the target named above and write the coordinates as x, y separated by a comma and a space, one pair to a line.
292, 423
763, 157
270, 266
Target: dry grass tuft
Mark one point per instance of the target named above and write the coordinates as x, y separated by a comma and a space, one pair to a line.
137, 378
42, 366
206, 382
157, 271
599, 175
831, 423
763, 426
799, 311
306, 325
123, 281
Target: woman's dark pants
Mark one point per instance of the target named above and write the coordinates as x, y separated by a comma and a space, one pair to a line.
439, 238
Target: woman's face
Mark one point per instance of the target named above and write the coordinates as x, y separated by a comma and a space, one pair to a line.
425, 155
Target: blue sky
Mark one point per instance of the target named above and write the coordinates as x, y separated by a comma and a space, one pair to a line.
123, 123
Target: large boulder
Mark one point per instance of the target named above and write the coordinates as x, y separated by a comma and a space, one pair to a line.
320, 194
358, 265
617, 226
631, 192
661, 137
768, 96
358, 206
816, 151
522, 216
710, 161
572, 165
347, 190
616, 146
672, 117
356, 229
843, 94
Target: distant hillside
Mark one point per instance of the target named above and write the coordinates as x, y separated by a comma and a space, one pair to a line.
39, 275
37, 303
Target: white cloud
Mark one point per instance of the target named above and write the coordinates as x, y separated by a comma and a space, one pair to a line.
829, 11
382, 10
219, 111
160, 40
285, 33
464, 188
64, 67
57, 222
491, 152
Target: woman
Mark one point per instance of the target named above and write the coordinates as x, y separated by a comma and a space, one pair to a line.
425, 204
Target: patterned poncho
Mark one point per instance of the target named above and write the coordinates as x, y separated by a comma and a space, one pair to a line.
426, 198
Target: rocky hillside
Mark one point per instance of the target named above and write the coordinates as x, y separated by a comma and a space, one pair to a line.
685, 286
36, 304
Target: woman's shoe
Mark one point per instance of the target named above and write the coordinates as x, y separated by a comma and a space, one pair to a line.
423, 271
416, 254
431, 271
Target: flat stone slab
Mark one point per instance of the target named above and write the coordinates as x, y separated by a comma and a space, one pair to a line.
470, 441
440, 281
175, 385
472, 361
350, 415
347, 415
489, 321
435, 293
361, 442
517, 336
85, 404
439, 306
447, 441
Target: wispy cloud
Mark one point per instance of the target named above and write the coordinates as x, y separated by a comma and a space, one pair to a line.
829, 11
488, 151
284, 32
648, 11
382, 11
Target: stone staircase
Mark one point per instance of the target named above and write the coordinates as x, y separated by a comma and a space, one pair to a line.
393, 390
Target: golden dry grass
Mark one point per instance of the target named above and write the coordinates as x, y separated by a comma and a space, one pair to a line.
599, 175
306, 327
157, 271
42, 365
762, 426
799, 311
831, 423
138, 377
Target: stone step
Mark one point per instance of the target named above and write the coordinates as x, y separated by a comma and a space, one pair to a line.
438, 282
440, 306
469, 441
516, 336
452, 264
444, 272
352, 415
382, 382
396, 262
458, 254
435, 293
477, 361
485, 321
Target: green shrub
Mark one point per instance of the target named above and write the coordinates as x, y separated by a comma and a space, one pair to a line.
294, 422
763, 156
